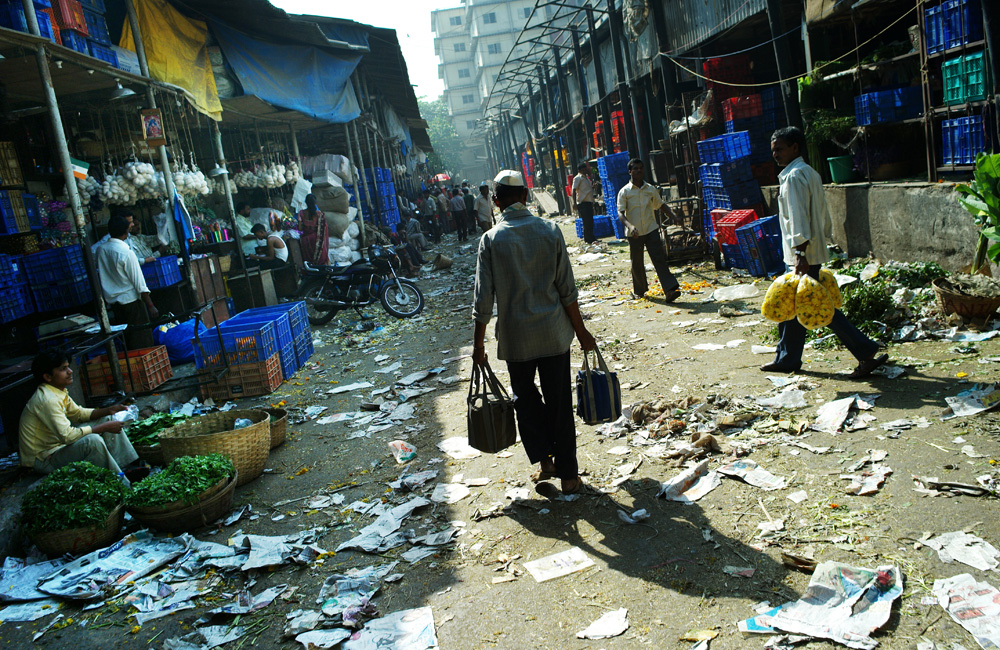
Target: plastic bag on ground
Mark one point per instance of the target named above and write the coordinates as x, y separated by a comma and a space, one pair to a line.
779, 302
736, 292
402, 451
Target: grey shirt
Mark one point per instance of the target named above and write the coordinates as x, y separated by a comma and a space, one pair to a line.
523, 266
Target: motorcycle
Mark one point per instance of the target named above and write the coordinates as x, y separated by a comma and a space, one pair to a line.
329, 289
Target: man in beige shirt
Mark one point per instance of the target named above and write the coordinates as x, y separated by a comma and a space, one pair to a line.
52, 429
638, 202
582, 193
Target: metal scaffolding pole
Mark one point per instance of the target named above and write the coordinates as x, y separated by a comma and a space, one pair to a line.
602, 92
220, 161
363, 181
354, 178
295, 141
615, 24
789, 89
588, 123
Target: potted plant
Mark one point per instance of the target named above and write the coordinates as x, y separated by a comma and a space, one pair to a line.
75, 509
191, 491
829, 126
977, 296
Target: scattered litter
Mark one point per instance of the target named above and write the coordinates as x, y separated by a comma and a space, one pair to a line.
355, 589
691, 484
32, 611
48, 627
449, 493
753, 474
18, 578
272, 550
382, 535
325, 501
350, 387
410, 629
739, 572
868, 482
402, 451
558, 565
798, 497
966, 548
590, 257
708, 346
323, 638
415, 481
979, 398
387, 370
931, 486
790, 398
971, 452
763, 349
973, 605
635, 517
736, 292
890, 371
458, 448
610, 625
245, 603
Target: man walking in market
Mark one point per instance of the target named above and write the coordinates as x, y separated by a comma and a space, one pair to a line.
124, 286
638, 202
523, 268
458, 213
582, 193
805, 228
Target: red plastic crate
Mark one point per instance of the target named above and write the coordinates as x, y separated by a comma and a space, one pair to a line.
732, 69
146, 369
247, 380
718, 215
69, 15
736, 108
725, 230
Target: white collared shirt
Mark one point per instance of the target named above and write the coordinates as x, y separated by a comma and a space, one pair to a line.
639, 205
121, 276
802, 213
583, 189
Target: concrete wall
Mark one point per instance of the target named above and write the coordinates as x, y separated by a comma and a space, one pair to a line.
912, 222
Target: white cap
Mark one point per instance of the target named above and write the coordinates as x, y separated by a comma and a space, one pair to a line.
510, 178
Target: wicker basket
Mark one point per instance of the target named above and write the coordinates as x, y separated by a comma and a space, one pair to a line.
279, 425
214, 433
152, 454
174, 506
969, 307
78, 541
200, 514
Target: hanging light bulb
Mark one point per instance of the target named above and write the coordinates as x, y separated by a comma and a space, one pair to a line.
121, 92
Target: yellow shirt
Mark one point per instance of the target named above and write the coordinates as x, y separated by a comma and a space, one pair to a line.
47, 423
639, 205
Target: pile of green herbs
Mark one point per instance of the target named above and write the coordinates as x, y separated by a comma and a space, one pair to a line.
78, 495
184, 479
144, 432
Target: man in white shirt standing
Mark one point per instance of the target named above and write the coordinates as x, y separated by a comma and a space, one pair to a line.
124, 286
582, 193
805, 228
638, 202
484, 208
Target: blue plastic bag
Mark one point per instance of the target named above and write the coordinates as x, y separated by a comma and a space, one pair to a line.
179, 340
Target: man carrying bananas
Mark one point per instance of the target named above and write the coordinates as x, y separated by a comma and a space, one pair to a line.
805, 228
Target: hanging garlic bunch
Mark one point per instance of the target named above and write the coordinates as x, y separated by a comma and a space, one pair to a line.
292, 172
272, 176
190, 182
88, 188
118, 190
245, 179
138, 173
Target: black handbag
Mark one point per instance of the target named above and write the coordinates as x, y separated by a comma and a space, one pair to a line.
491, 412
598, 393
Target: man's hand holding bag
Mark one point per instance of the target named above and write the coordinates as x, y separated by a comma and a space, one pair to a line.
598, 393
490, 412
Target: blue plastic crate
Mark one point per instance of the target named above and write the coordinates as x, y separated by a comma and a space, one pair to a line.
54, 265
891, 105
934, 29
97, 27
244, 343
614, 164
11, 272
715, 197
102, 52
12, 17
33, 211
726, 174
94, 5
8, 222
74, 40
724, 148
303, 350
162, 272
962, 139
771, 100
760, 247
752, 125
15, 303
289, 361
744, 195
68, 293
962, 22
281, 320
733, 256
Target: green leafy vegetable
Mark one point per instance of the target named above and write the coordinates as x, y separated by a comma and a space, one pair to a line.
865, 303
144, 432
981, 198
914, 275
182, 480
75, 496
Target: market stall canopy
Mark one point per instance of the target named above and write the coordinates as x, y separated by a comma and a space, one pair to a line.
818, 11
176, 52
302, 78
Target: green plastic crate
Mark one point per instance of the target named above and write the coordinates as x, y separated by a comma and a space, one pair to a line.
974, 77
953, 71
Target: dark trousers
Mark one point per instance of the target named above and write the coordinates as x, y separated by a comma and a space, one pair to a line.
134, 314
793, 337
434, 228
545, 420
461, 224
586, 211
657, 255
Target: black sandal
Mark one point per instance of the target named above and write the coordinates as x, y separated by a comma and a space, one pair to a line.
868, 366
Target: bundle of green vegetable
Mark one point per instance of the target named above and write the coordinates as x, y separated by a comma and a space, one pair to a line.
144, 432
182, 480
75, 496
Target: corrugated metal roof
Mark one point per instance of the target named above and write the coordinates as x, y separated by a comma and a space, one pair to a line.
692, 22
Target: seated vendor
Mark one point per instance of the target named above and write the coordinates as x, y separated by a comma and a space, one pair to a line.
145, 247
54, 430
275, 255
248, 241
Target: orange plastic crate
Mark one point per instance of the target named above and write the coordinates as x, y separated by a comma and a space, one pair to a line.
725, 231
145, 369
247, 380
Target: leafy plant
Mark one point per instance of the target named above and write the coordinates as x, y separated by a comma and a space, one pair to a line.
913, 275
865, 303
144, 432
828, 125
75, 496
182, 480
981, 197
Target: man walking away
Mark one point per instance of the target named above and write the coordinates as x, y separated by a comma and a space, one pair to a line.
583, 201
637, 205
805, 228
523, 266
457, 205
442, 201
470, 208
483, 208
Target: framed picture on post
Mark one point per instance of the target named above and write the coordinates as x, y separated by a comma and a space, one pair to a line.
152, 127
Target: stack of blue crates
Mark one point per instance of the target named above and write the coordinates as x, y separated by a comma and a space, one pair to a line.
12, 17
385, 211
58, 278
244, 342
602, 226
282, 334
613, 171
760, 247
962, 139
726, 176
952, 24
15, 299
889, 105
162, 272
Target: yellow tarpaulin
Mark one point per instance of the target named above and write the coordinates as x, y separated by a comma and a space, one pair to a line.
176, 52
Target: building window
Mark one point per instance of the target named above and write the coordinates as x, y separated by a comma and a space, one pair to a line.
470, 125
527, 12
463, 73
468, 99
455, 21
490, 18
459, 47
493, 48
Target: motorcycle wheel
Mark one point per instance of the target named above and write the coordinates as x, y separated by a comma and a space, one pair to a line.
404, 302
317, 317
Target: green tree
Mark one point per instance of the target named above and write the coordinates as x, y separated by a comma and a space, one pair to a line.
447, 154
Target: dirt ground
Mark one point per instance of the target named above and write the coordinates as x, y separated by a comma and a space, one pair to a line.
667, 570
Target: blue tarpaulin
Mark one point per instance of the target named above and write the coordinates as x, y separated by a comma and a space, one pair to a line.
297, 77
